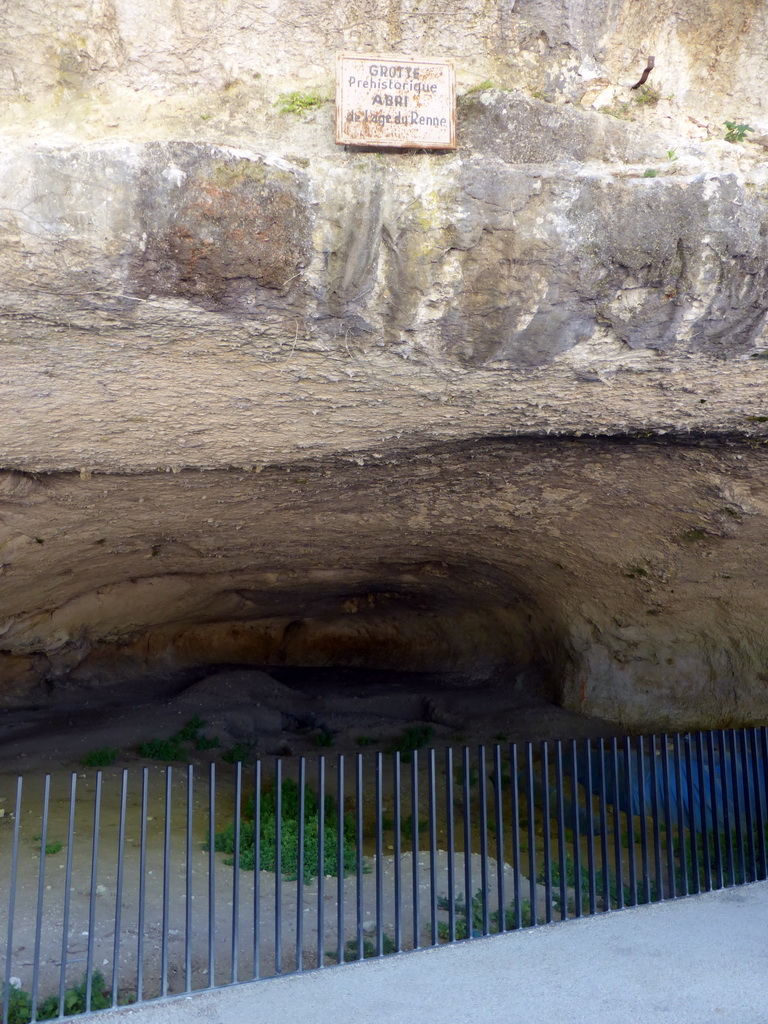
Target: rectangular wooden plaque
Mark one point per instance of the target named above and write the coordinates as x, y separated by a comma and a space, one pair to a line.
395, 101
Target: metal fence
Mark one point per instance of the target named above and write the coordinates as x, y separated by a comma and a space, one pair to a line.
128, 885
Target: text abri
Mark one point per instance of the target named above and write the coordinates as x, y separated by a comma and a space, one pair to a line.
395, 101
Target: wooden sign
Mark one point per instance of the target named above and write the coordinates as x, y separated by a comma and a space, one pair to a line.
395, 101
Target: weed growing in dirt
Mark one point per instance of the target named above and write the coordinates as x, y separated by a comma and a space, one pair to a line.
650, 172
101, 758
647, 96
460, 910
297, 102
50, 848
241, 752
413, 738
20, 1001
736, 132
224, 841
174, 748
324, 737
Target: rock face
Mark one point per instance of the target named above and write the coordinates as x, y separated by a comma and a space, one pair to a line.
384, 361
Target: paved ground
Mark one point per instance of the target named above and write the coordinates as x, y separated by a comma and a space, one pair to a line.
695, 961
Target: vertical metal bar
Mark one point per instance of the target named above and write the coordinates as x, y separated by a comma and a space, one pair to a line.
680, 815
166, 884
546, 831
340, 861
450, 842
359, 852
466, 801
713, 796
432, 797
278, 866
40, 896
92, 899
379, 855
560, 800
576, 829
321, 860
707, 864
603, 811
142, 887
482, 798
643, 818
188, 881
67, 891
670, 849
500, 898
760, 760
737, 806
692, 830
257, 869
300, 865
119, 886
619, 868
235, 961
748, 820
630, 820
396, 810
515, 810
590, 822
212, 876
12, 898
531, 833
723, 753
655, 829
415, 844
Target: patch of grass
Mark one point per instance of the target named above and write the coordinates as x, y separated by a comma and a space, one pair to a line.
695, 534
672, 155
413, 738
647, 96
239, 752
324, 738
53, 847
480, 87
20, 1001
476, 913
171, 749
289, 837
635, 570
191, 729
650, 172
735, 132
206, 742
297, 102
622, 111
103, 757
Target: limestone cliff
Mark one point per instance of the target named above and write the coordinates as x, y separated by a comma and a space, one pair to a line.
387, 363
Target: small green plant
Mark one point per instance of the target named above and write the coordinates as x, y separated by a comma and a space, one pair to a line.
672, 155
164, 750
365, 741
413, 738
649, 172
647, 96
20, 1001
239, 752
101, 758
460, 911
324, 737
483, 86
289, 834
736, 132
635, 570
50, 848
297, 102
191, 729
696, 534
207, 742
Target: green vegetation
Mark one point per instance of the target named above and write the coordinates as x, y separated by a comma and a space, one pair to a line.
289, 842
672, 155
647, 96
369, 949
324, 737
736, 132
20, 1001
635, 570
483, 86
50, 848
297, 102
413, 738
175, 747
241, 752
460, 909
696, 534
101, 758
649, 172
